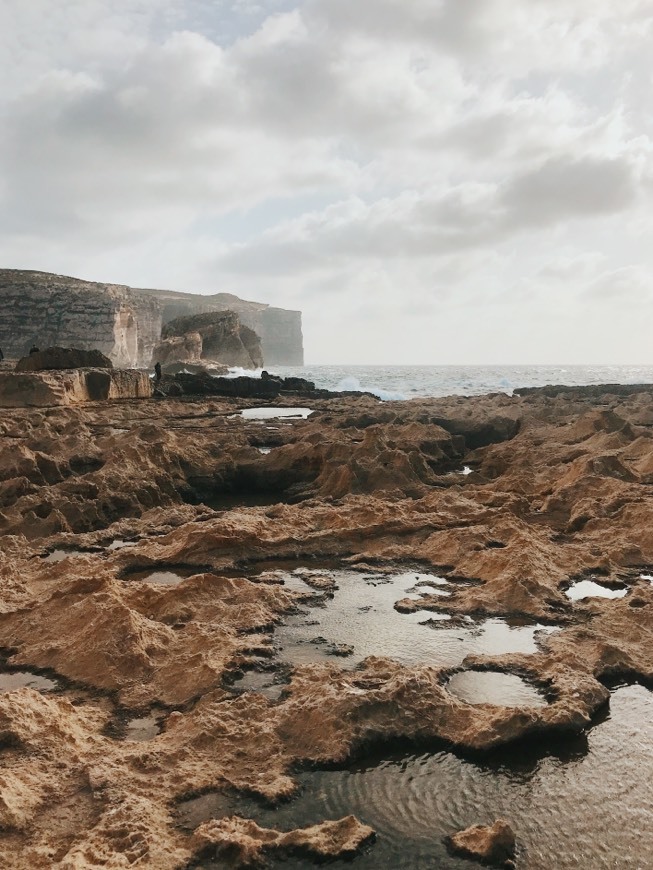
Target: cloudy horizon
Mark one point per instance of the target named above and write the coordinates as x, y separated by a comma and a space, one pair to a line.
428, 181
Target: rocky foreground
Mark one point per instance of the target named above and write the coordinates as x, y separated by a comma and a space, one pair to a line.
560, 489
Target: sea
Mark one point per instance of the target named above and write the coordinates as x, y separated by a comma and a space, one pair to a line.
411, 382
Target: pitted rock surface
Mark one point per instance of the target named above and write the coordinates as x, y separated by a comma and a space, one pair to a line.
559, 492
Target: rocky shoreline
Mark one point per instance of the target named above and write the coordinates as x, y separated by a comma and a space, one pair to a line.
93, 496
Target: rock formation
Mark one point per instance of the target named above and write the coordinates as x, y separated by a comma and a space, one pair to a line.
124, 323
46, 388
493, 844
217, 337
96, 497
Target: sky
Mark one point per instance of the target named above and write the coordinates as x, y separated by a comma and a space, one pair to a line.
428, 181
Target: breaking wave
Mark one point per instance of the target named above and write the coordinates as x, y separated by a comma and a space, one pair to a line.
350, 383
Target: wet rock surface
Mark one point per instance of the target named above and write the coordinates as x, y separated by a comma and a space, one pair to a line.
356, 494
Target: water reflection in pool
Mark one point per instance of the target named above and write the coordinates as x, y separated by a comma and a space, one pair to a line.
491, 687
163, 576
10, 680
359, 612
590, 589
270, 413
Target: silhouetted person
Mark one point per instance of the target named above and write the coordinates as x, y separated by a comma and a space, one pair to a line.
157, 371
33, 349
2, 356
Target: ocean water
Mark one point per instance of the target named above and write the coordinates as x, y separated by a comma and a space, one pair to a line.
410, 382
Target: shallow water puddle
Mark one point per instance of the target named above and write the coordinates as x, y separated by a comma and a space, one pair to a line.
648, 577
10, 680
590, 589
262, 682
264, 450
214, 805
142, 728
120, 544
271, 413
358, 612
163, 577
492, 687
60, 555
582, 801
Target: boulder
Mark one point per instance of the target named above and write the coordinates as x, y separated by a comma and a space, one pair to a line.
493, 844
63, 358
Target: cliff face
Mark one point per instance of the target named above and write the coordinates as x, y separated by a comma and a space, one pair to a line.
123, 322
46, 310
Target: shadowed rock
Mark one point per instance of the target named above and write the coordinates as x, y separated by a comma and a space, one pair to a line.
63, 358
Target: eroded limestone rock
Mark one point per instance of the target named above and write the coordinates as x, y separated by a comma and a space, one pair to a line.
493, 844
245, 842
380, 490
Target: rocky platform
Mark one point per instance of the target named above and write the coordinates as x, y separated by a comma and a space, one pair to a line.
558, 489
74, 386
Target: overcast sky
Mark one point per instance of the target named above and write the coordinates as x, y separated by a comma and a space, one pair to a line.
429, 181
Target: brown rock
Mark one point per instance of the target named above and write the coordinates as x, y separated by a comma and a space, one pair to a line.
245, 842
492, 845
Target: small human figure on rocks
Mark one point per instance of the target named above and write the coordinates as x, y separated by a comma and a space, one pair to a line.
2, 356
157, 371
33, 349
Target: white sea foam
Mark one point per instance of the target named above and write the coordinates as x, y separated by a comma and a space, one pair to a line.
352, 384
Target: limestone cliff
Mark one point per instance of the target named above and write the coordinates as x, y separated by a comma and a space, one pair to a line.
123, 322
43, 309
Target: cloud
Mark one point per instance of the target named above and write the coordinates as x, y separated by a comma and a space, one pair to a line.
628, 286
404, 159
431, 224
564, 188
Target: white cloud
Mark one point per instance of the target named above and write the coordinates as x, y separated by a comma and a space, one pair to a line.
404, 159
